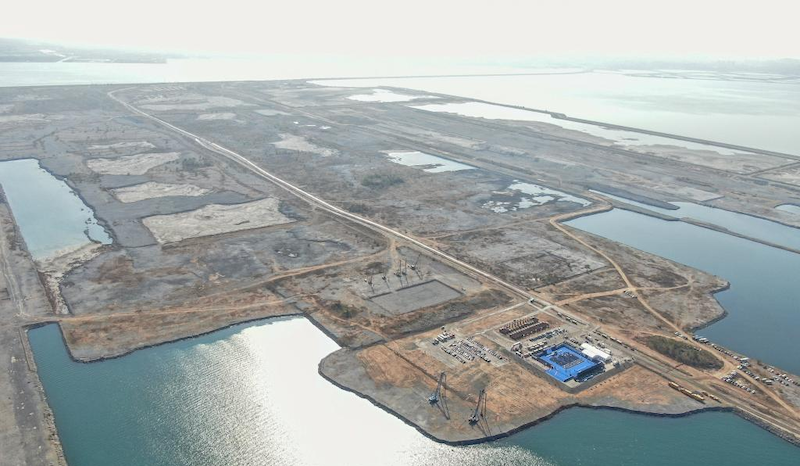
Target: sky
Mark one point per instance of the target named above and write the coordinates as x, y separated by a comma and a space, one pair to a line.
420, 28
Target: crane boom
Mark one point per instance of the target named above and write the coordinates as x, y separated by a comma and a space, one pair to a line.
480, 408
414, 265
437, 394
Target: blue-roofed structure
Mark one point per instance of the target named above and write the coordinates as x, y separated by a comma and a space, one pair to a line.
566, 362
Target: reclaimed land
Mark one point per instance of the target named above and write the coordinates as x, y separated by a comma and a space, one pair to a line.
355, 225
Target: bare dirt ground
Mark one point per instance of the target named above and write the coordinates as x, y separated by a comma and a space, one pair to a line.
132, 164
743, 162
789, 175
300, 144
95, 337
27, 430
150, 190
215, 219
189, 102
100, 149
216, 116
401, 377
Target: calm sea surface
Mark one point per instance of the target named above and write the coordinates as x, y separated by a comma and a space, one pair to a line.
251, 395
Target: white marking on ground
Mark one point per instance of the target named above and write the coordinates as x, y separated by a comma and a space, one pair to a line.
207, 102
270, 112
123, 145
426, 162
28, 117
215, 219
154, 189
382, 95
131, 164
299, 143
216, 116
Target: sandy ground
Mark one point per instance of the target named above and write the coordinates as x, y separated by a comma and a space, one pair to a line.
93, 337
743, 162
121, 145
790, 175
27, 118
216, 116
216, 219
299, 143
384, 95
397, 376
270, 112
204, 104
55, 266
456, 141
132, 164
153, 189
30, 97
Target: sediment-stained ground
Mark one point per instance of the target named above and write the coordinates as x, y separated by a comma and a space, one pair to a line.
149, 190
215, 219
137, 164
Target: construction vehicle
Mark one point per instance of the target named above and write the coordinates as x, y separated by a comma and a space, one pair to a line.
696, 395
437, 394
414, 265
480, 408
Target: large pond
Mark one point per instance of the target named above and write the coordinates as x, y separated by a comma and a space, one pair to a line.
762, 301
251, 395
52, 218
748, 225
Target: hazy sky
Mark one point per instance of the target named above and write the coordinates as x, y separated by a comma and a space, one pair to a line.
463, 28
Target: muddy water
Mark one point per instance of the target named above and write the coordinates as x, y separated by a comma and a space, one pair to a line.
251, 395
51, 217
763, 315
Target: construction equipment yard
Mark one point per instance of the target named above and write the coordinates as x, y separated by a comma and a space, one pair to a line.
461, 302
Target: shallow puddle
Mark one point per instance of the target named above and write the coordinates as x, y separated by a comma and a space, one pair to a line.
426, 162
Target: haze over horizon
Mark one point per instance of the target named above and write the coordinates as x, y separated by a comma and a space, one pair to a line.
618, 28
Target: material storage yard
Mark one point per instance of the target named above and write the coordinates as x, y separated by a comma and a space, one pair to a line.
238, 201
